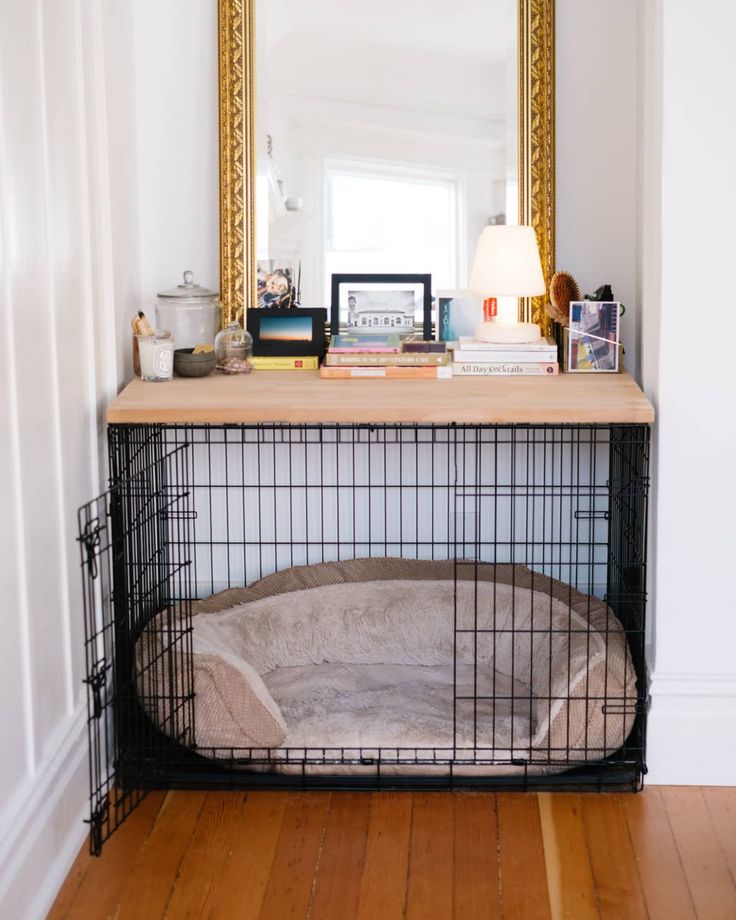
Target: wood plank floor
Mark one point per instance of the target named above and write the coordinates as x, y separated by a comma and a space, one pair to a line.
667, 853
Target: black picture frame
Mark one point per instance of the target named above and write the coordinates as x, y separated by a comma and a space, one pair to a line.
391, 280
258, 321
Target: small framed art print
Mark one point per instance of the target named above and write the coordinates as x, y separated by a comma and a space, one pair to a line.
291, 333
372, 304
593, 336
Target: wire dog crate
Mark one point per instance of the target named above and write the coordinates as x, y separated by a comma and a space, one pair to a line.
195, 509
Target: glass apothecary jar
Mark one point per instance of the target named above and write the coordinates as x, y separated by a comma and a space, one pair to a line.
233, 349
193, 313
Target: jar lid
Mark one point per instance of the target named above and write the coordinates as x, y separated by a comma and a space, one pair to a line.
188, 290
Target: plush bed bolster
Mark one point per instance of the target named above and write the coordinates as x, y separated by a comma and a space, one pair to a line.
353, 649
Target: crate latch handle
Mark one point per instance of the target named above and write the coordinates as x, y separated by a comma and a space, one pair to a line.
90, 538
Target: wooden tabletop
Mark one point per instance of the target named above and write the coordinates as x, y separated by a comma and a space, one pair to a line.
302, 397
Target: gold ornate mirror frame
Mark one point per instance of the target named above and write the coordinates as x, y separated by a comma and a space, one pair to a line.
238, 146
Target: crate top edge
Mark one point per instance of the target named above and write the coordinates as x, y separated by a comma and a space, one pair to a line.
281, 397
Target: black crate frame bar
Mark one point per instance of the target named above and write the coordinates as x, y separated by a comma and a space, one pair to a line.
194, 508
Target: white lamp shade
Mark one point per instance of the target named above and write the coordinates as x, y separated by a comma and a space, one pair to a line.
507, 263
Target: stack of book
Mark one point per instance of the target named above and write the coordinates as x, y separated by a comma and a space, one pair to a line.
385, 356
485, 359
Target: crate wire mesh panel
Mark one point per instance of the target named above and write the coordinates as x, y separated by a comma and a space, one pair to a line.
195, 509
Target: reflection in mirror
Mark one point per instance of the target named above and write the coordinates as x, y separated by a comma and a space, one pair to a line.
385, 147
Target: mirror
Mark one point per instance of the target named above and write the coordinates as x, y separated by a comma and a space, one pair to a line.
437, 114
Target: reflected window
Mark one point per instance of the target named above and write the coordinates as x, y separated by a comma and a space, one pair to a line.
385, 219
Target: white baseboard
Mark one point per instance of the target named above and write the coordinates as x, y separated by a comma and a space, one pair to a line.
42, 838
691, 735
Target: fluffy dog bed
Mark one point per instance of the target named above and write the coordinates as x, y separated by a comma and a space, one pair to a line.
362, 655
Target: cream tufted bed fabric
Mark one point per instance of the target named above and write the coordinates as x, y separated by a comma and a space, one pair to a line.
360, 655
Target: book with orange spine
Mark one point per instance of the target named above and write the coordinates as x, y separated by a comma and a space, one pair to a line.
385, 373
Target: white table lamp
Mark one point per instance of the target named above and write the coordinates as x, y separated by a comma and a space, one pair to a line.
506, 264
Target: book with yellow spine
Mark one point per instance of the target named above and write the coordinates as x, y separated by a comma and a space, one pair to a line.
284, 363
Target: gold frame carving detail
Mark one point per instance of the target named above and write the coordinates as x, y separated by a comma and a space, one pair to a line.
237, 155
238, 147
537, 139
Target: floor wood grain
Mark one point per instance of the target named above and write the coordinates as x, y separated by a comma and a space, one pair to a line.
704, 863
243, 885
150, 883
662, 876
477, 890
296, 860
572, 890
667, 853
615, 872
430, 882
386, 865
523, 874
337, 884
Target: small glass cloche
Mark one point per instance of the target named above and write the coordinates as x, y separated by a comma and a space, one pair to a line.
233, 348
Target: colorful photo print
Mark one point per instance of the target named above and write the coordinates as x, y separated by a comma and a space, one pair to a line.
593, 336
276, 280
286, 328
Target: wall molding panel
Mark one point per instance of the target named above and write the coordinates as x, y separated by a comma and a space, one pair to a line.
43, 830
692, 729
62, 222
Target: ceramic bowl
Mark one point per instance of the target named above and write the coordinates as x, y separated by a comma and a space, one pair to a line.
187, 364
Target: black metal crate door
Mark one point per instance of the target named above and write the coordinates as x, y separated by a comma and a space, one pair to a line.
135, 544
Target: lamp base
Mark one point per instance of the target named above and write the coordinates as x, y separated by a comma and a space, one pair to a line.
508, 333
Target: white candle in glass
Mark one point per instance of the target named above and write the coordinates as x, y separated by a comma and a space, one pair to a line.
156, 357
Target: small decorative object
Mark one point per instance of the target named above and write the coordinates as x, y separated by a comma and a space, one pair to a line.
592, 336
193, 313
276, 287
369, 304
506, 264
188, 362
604, 292
457, 314
233, 348
563, 289
141, 327
288, 333
156, 356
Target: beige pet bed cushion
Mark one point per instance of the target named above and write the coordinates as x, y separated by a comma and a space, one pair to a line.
334, 643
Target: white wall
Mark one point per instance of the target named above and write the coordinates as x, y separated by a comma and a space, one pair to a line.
174, 71
689, 200
58, 366
598, 86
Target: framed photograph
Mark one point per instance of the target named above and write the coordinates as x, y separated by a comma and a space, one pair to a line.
291, 333
371, 304
458, 313
276, 283
592, 337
